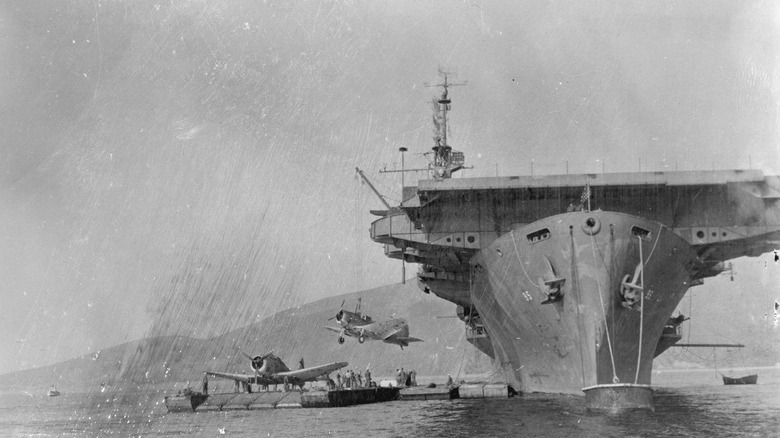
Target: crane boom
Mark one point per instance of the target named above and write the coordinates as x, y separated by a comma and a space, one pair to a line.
381, 198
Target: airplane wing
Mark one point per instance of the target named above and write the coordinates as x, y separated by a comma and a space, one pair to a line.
348, 331
369, 331
237, 377
407, 339
390, 333
311, 373
305, 374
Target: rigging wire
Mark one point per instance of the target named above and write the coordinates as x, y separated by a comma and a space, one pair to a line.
359, 258
387, 189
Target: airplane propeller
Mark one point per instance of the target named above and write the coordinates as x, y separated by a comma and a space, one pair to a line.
257, 361
258, 356
340, 313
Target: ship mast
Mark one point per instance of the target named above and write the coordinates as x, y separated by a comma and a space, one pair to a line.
445, 160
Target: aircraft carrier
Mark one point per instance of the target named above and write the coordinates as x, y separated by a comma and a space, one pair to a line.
568, 281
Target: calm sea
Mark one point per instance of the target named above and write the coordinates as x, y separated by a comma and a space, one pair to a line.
688, 404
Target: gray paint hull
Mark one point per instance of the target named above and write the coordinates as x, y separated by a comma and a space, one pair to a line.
588, 337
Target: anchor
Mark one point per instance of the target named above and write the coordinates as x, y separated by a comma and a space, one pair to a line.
631, 288
552, 284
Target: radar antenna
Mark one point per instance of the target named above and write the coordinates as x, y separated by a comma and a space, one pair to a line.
445, 160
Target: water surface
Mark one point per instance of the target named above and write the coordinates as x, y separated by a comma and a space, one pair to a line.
687, 404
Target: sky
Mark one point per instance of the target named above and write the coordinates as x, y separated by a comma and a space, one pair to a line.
188, 167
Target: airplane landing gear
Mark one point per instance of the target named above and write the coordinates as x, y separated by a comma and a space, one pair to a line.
341, 340
361, 339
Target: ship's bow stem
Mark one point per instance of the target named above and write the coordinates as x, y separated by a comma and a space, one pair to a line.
577, 303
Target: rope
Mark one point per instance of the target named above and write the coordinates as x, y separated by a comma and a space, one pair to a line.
577, 303
690, 311
641, 309
642, 297
615, 378
462, 357
657, 238
520, 262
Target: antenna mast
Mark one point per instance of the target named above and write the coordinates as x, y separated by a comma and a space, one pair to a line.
445, 160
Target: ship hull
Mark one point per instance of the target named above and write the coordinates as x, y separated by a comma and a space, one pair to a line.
577, 302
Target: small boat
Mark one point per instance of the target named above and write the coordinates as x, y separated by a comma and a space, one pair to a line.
745, 380
53, 391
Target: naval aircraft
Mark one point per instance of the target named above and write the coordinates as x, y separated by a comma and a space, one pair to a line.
355, 324
270, 370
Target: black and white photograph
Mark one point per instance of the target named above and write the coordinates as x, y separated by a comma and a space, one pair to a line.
310, 218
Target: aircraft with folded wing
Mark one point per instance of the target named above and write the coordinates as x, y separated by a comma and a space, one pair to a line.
270, 370
355, 324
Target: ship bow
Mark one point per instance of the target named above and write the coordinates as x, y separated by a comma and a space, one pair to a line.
577, 303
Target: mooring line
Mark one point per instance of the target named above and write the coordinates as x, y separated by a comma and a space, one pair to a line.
520, 262
615, 378
641, 308
578, 303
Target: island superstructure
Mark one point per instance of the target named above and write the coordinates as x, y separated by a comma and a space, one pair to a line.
567, 281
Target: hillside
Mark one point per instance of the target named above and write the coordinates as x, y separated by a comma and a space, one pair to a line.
738, 311
299, 333
291, 334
